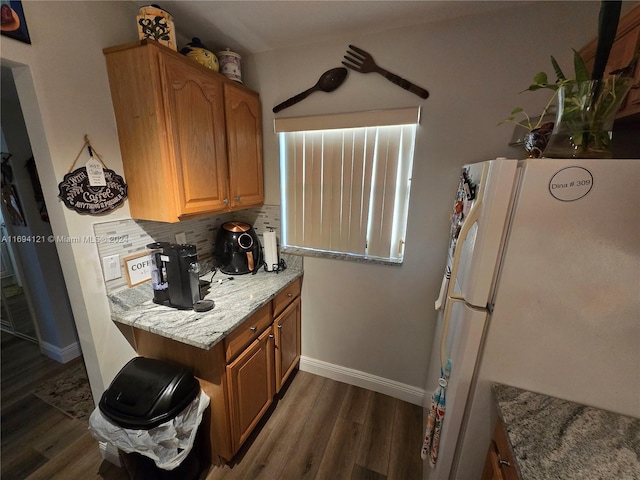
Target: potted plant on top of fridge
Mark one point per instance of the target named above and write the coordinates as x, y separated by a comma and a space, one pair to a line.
587, 103
537, 129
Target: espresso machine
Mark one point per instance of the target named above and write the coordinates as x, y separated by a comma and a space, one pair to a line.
175, 275
183, 275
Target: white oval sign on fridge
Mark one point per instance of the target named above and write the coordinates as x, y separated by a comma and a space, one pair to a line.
571, 183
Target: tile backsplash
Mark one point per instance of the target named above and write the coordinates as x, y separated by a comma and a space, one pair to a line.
130, 237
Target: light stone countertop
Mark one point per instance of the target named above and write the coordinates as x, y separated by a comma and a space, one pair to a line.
235, 301
557, 439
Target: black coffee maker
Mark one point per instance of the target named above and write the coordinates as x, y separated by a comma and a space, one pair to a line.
175, 274
183, 275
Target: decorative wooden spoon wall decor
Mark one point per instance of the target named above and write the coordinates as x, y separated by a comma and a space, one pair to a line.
328, 82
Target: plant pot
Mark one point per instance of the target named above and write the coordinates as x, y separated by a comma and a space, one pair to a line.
584, 122
535, 141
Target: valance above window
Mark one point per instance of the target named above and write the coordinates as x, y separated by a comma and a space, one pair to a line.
374, 118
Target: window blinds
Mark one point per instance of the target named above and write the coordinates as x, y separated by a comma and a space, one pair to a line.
346, 190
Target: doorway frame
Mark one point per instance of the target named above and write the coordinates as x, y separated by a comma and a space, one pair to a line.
27, 98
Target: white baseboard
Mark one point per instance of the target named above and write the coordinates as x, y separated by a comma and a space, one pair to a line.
62, 355
109, 453
385, 386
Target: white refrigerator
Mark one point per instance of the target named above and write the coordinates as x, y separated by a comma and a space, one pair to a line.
544, 295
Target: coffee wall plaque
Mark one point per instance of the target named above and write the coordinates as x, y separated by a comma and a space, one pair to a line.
93, 189
77, 194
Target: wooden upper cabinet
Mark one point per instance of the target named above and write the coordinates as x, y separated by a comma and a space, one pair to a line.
244, 144
194, 116
173, 131
627, 44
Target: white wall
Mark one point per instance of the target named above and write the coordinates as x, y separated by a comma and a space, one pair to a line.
380, 319
370, 318
64, 93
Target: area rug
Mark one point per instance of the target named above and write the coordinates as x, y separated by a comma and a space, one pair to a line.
69, 391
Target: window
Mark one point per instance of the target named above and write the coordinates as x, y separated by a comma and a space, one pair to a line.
345, 183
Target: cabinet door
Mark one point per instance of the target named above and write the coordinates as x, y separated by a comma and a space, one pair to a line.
499, 463
251, 387
244, 144
194, 113
621, 56
492, 464
629, 45
287, 337
623, 51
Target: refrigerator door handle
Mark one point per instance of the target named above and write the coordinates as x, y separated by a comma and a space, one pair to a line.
444, 358
472, 218
442, 297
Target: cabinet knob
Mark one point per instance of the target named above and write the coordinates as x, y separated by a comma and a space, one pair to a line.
271, 335
253, 329
503, 462
225, 201
289, 295
237, 198
279, 327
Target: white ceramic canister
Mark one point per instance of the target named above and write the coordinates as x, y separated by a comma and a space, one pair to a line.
230, 64
156, 24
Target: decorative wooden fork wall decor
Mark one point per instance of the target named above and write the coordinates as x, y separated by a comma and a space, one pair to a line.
361, 61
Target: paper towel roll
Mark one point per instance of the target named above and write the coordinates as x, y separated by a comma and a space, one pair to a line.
270, 250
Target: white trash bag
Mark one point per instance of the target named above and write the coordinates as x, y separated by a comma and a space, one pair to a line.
167, 445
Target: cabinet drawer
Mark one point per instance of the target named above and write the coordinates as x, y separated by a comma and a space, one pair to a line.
286, 296
247, 332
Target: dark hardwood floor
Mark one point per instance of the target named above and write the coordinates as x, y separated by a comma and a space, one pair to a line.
38, 440
323, 429
320, 429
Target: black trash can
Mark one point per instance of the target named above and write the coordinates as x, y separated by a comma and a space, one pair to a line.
145, 394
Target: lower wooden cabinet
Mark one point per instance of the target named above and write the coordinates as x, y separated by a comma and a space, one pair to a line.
241, 374
251, 387
499, 464
286, 330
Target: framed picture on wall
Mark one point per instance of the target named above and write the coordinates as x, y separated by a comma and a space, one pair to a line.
12, 21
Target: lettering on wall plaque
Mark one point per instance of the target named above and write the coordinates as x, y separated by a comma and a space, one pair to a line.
77, 193
571, 183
